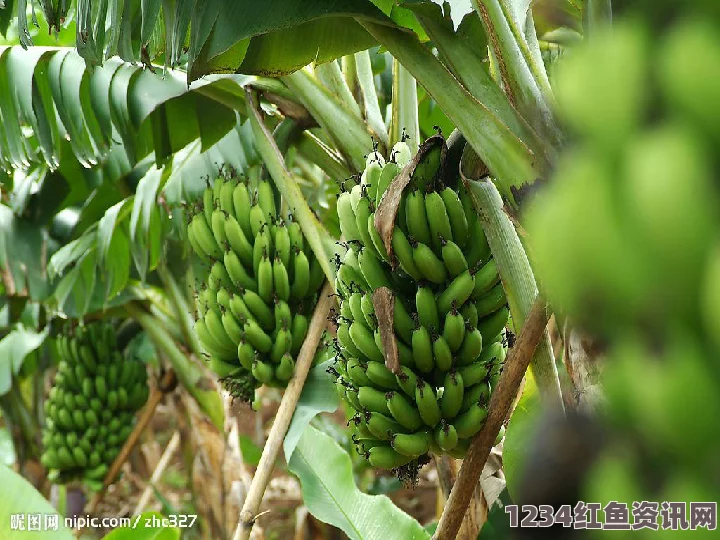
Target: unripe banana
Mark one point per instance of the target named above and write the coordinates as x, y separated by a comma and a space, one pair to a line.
363, 213
263, 372
371, 174
456, 214
257, 337
262, 247
470, 315
220, 277
454, 329
299, 330
416, 218
473, 374
296, 237
281, 281
241, 207
380, 376
215, 329
217, 225
491, 301
403, 411
388, 174
442, 354
356, 372
453, 258
427, 403
479, 393
492, 325
238, 241
471, 347
281, 345
485, 278
422, 349
402, 322
266, 200
428, 264
203, 236
446, 436
457, 292
260, 310
452, 397
232, 326
470, 422
238, 275
382, 426
301, 276
258, 220
407, 381
246, 355
427, 308
354, 301
412, 445
403, 253
438, 220
365, 342
282, 244
265, 279
373, 400
377, 242
285, 370
343, 336
372, 270
346, 216
385, 457
368, 311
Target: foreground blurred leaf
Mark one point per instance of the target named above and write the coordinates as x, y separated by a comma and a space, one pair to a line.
14, 348
20, 497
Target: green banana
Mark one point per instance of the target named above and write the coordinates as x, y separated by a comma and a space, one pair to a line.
246, 355
441, 353
452, 397
226, 197
238, 275
427, 308
446, 436
265, 279
453, 258
491, 325
428, 263
343, 336
485, 278
281, 281
217, 225
473, 374
258, 220
479, 393
388, 174
403, 411
346, 216
281, 345
402, 322
263, 372
238, 241
301, 275
479, 249
260, 310
372, 270
373, 400
407, 381
241, 207
203, 236
454, 329
299, 329
381, 426
470, 315
412, 445
380, 376
282, 244
368, 311
456, 214
422, 349
416, 218
403, 253
457, 292
356, 372
438, 220
377, 242
285, 370
257, 337
427, 403
266, 200
491, 301
470, 422
384, 457
471, 347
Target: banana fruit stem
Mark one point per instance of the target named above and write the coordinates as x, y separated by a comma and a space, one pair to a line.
518, 281
251, 506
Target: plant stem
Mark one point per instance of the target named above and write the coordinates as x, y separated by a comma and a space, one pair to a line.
598, 13
517, 276
284, 415
511, 160
182, 311
404, 108
157, 473
501, 401
332, 76
349, 132
373, 115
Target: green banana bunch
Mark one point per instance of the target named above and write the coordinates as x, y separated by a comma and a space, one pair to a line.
260, 284
90, 410
449, 316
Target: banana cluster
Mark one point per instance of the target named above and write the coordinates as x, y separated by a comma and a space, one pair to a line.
260, 284
91, 408
450, 313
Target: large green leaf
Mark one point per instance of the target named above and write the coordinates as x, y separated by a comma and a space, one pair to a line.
330, 493
50, 91
20, 498
14, 348
318, 395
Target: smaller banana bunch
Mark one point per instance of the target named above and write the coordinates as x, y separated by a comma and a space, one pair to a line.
260, 284
91, 408
448, 317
